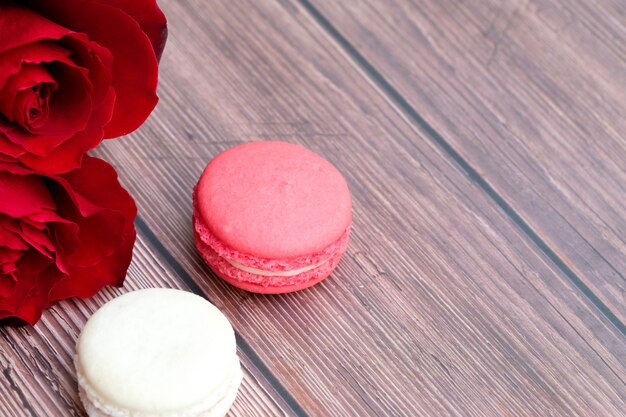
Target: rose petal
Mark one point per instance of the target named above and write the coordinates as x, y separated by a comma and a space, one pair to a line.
20, 25
21, 196
96, 209
39, 220
29, 76
96, 182
68, 155
9, 150
33, 53
9, 255
15, 168
149, 16
97, 59
70, 105
12, 240
7, 285
8, 258
31, 294
38, 239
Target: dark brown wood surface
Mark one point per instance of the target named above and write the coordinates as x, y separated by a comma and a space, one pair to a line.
531, 96
443, 305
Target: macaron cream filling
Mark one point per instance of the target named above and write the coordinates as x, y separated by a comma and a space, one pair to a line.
265, 273
216, 406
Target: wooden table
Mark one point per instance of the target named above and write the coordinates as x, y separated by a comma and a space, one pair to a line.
485, 146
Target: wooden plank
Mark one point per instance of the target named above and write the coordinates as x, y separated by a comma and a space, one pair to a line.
38, 378
442, 306
532, 95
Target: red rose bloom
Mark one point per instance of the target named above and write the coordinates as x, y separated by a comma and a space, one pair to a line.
61, 235
73, 72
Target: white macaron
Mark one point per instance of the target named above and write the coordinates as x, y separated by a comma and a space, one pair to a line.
158, 353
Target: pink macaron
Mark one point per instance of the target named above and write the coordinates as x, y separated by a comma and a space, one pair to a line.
271, 217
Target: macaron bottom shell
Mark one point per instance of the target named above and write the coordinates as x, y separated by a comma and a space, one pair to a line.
262, 284
262, 289
95, 407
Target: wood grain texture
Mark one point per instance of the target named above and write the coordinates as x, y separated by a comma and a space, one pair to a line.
38, 377
532, 94
442, 306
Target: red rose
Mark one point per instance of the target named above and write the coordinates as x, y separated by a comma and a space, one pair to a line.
61, 235
73, 72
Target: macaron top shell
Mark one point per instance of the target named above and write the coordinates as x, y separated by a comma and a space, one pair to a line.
274, 200
158, 351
